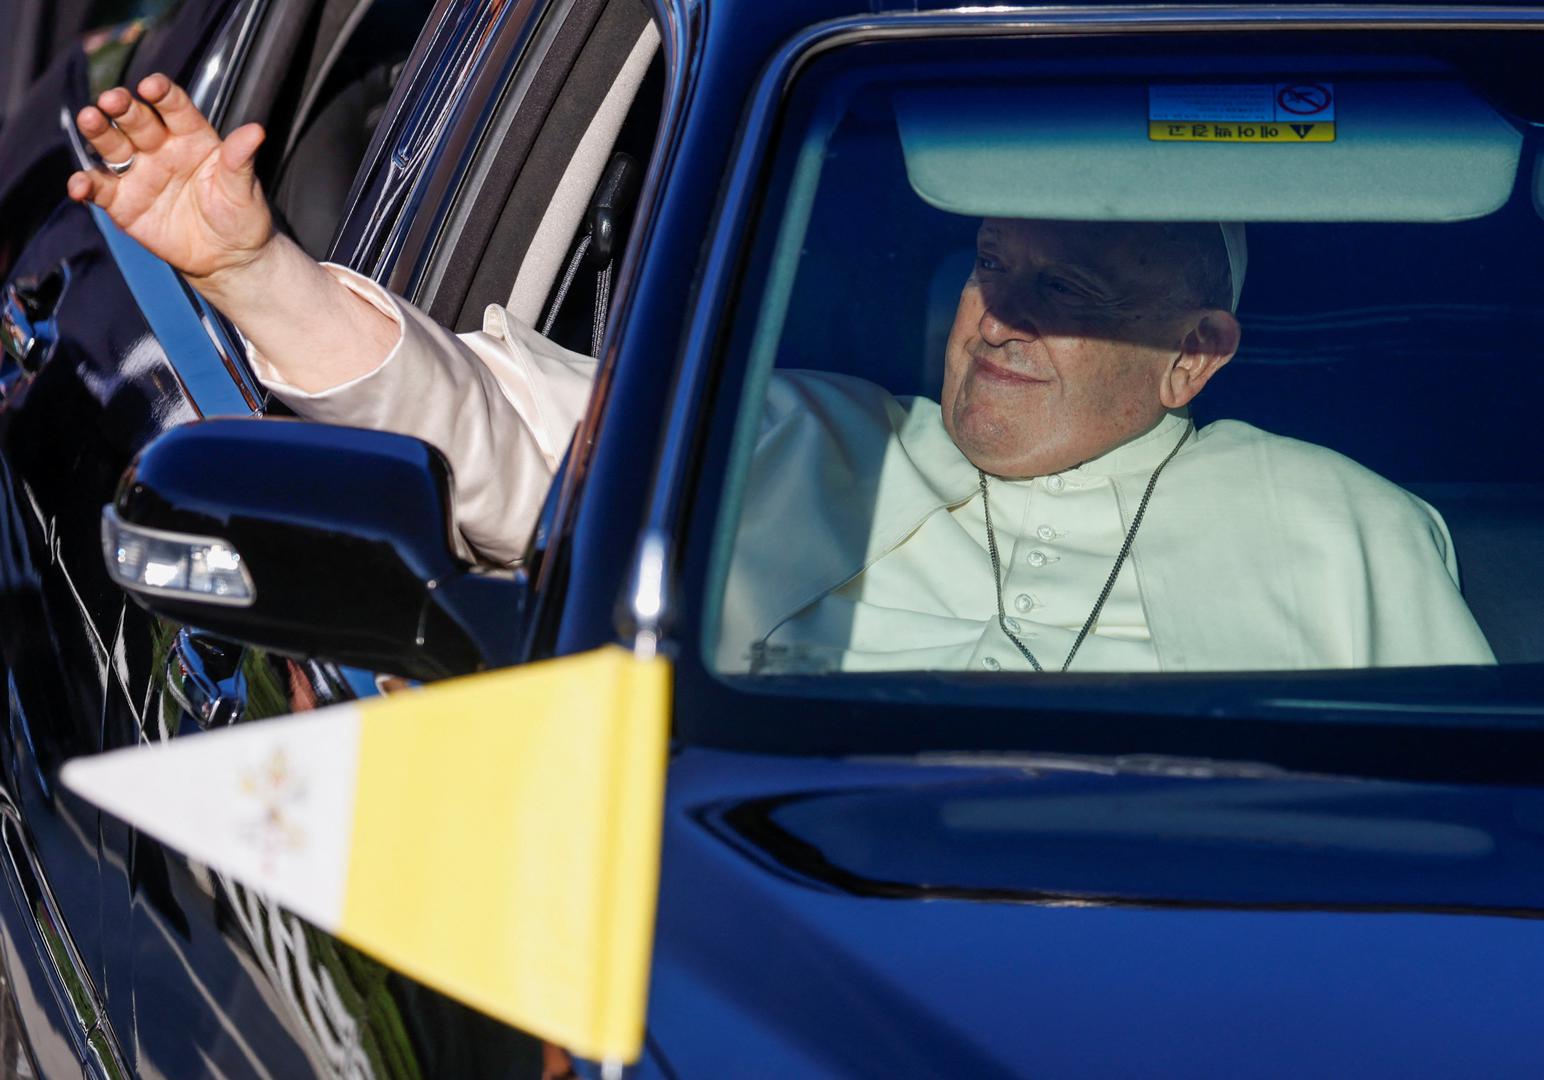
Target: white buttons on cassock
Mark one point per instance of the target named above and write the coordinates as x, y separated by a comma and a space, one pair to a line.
1036, 558
1045, 532
1054, 484
991, 663
1013, 625
1023, 602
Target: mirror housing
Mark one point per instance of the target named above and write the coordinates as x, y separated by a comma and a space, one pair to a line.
311, 540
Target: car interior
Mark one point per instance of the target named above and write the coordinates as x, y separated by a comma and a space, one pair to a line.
1404, 345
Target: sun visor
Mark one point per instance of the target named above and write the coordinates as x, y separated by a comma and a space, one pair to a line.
1282, 151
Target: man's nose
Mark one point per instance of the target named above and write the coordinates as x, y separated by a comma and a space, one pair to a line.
999, 326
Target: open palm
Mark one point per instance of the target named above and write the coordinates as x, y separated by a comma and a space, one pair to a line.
188, 197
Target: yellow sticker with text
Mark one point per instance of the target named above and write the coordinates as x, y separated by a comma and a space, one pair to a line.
1217, 131
1284, 112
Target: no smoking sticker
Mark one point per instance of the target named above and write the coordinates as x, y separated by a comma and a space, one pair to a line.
1293, 112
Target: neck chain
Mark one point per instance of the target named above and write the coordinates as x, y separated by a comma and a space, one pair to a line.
1109, 583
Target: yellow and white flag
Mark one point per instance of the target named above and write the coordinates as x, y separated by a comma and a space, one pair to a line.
495, 837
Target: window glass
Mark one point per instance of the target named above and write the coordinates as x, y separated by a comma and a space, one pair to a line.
1213, 362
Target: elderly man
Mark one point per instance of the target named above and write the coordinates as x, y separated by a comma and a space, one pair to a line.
1056, 509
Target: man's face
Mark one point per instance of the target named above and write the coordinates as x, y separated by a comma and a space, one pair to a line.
1064, 335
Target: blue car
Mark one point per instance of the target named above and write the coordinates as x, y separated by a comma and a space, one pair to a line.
871, 863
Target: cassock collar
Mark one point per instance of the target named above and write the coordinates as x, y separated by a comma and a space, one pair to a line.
951, 475
1141, 454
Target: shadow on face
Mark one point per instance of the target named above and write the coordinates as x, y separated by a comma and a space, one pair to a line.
1071, 338
1118, 281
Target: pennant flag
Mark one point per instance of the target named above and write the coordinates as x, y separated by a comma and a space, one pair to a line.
495, 837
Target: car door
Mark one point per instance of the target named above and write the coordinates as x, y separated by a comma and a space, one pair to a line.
83, 384
106, 348
504, 219
491, 111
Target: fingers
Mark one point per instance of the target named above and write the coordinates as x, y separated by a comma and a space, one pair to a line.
237, 159
89, 186
176, 109
110, 143
241, 147
133, 118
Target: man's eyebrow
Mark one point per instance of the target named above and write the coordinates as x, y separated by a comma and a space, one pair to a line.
1090, 274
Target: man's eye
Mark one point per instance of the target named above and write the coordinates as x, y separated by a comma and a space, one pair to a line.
1065, 289
986, 262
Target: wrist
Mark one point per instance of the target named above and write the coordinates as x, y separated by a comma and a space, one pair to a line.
247, 276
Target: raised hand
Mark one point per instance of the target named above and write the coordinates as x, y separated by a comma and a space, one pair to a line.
186, 195
192, 199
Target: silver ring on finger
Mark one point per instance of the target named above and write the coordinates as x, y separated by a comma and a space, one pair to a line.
118, 168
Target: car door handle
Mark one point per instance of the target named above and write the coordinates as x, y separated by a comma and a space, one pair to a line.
27, 330
203, 676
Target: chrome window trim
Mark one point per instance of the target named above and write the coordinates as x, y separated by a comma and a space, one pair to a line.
719, 270
464, 36
1047, 20
212, 84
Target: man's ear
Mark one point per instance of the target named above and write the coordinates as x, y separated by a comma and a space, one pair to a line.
1211, 342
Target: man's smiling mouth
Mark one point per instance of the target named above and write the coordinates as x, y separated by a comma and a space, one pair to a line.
991, 369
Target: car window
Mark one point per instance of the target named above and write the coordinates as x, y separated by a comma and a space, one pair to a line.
1000, 416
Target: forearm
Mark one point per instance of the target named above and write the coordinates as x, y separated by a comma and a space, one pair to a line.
313, 331
500, 404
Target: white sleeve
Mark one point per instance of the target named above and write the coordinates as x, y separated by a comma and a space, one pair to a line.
501, 404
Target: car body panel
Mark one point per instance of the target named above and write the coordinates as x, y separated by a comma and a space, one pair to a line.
1175, 923
62, 428
819, 914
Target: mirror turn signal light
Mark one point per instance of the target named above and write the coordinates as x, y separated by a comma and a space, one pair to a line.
202, 568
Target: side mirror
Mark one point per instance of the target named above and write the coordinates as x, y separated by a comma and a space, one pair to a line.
311, 540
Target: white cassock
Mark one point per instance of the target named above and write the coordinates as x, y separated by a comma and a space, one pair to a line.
862, 543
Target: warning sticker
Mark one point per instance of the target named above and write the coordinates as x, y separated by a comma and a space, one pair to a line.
1241, 112
1215, 131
